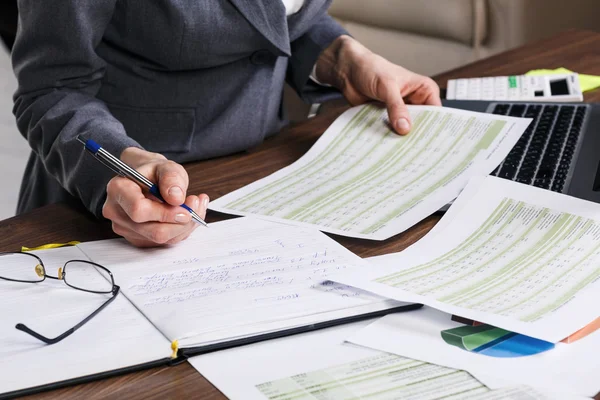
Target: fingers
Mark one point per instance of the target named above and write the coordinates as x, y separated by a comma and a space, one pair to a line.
172, 182
147, 234
132, 237
397, 110
129, 196
427, 92
153, 234
139, 241
145, 222
203, 206
161, 233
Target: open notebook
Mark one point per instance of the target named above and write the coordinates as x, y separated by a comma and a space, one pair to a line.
243, 281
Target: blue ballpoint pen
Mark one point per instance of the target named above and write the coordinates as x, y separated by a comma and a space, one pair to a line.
120, 168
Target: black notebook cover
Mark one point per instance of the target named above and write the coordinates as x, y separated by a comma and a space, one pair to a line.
185, 353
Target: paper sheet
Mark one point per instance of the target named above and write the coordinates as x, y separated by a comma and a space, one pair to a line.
568, 369
362, 180
119, 336
318, 365
514, 256
242, 277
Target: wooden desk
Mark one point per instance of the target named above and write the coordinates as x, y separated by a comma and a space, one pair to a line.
576, 50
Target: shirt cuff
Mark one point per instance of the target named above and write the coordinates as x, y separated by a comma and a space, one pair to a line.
313, 77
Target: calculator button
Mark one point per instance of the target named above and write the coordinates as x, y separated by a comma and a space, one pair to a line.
462, 89
488, 88
474, 89
501, 92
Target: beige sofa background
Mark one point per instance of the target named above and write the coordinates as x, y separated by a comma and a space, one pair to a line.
432, 36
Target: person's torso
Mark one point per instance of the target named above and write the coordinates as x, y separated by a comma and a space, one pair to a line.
195, 79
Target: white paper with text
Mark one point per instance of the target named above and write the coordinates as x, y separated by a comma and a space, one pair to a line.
514, 256
321, 366
567, 370
362, 180
239, 278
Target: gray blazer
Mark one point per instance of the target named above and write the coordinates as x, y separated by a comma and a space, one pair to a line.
190, 79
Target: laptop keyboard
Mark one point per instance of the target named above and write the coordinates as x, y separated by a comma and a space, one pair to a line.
543, 155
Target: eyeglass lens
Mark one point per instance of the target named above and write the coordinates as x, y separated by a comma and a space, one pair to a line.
21, 267
89, 277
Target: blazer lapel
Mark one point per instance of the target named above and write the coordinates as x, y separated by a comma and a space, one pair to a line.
268, 17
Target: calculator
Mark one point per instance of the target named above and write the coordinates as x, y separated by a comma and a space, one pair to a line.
545, 88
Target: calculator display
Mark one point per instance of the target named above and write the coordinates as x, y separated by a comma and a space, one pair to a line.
559, 88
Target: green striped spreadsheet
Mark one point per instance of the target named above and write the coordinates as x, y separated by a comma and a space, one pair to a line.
525, 261
506, 254
383, 376
388, 377
363, 180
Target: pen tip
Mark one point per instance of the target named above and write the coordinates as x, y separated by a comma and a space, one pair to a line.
199, 220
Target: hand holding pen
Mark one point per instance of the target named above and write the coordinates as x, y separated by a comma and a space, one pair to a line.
141, 219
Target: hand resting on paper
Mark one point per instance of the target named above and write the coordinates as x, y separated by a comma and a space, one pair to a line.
363, 76
139, 218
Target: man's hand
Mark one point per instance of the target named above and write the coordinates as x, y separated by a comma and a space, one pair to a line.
139, 218
363, 76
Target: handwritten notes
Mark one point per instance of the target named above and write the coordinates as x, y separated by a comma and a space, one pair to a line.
246, 278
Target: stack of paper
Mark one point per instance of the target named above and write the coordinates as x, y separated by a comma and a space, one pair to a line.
509, 255
319, 365
566, 370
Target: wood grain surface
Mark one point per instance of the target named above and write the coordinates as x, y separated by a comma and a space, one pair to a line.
576, 50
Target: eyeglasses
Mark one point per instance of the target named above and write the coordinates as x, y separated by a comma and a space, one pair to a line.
78, 274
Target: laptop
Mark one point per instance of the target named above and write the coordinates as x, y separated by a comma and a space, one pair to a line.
559, 151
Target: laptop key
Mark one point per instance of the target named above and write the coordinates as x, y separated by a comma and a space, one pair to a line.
508, 172
501, 109
517, 110
542, 183
524, 180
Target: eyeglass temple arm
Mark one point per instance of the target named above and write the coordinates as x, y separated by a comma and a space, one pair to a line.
24, 328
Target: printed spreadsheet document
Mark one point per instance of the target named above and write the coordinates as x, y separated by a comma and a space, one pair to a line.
567, 371
510, 255
362, 180
320, 365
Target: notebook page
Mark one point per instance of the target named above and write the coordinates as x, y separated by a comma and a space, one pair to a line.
119, 336
239, 278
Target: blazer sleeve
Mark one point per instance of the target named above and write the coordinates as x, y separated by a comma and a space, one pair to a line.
59, 74
305, 52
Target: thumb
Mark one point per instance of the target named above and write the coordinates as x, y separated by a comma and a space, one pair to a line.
172, 182
397, 110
